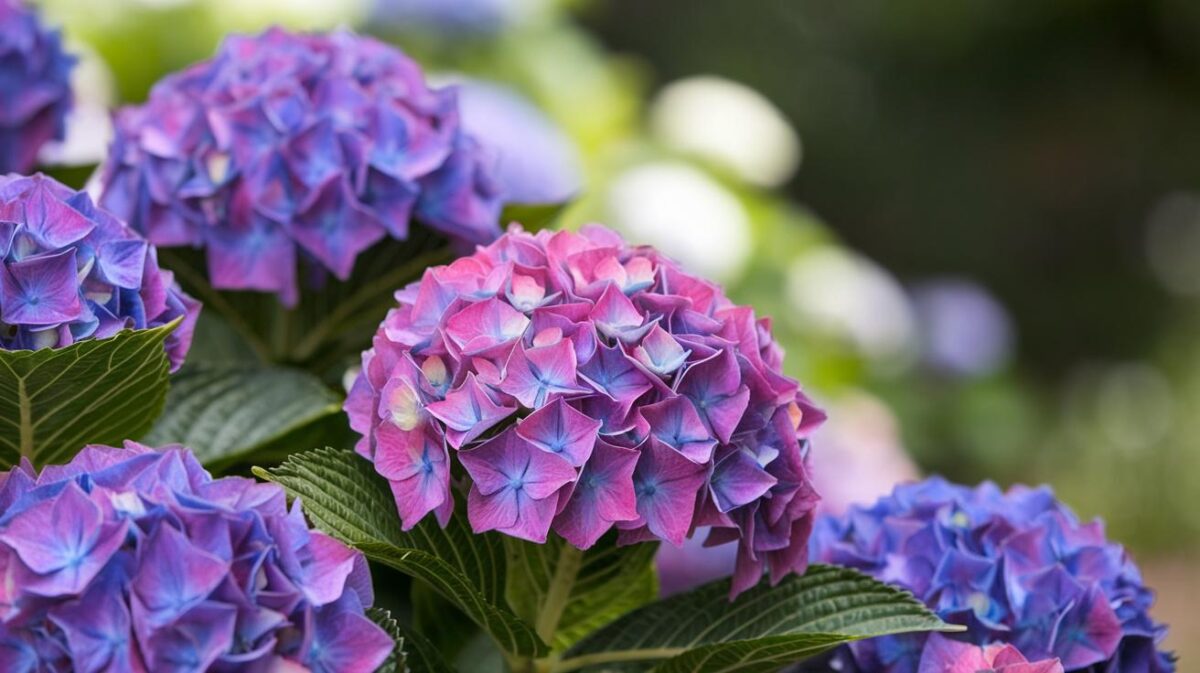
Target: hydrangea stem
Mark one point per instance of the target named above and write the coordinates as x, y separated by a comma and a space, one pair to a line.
570, 559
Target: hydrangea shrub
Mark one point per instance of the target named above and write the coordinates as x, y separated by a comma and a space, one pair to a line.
1015, 567
584, 384
137, 560
71, 271
35, 78
290, 154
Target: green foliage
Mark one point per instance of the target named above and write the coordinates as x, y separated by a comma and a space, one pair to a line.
533, 216
343, 496
765, 628
567, 593
53, 402
413, 653
225, 413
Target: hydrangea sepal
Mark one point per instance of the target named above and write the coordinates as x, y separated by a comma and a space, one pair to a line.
100, 391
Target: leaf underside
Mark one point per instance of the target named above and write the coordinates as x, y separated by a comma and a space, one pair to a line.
53, 402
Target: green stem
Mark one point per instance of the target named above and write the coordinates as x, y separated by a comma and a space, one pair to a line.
348, 308
213, 299
576, 663
570, 560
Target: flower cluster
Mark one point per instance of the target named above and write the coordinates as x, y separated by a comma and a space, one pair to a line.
585, 384
289, 147
137, 560
72, 271
35, 72
1014, 567
946, 655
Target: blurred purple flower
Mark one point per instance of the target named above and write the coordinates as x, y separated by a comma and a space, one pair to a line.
132, 559
294, 146
70, 271
587, 385
964, 330
536, 162
1015, 568
35, 78
446, 17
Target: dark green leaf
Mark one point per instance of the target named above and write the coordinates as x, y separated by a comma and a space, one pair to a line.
413, 653
765, 628
224, 413
533, 216
344, 496
100, 391
567, 593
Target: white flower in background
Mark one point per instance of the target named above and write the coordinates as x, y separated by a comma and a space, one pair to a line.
684, 213
89, 125
535, 161
729, 124
965, 331
1173, 243
858, 455
845, 295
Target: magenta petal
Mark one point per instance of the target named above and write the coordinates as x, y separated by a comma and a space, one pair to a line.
738, 480
484, 325
468, 411
563, 430
675, 423
660, 353
603, 495
418, 469
40, 290
514, 484
666, 484
534, 375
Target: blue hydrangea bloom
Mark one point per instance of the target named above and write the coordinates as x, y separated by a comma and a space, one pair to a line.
1016, 568
35, 79
288, 149
71, 271
134, 560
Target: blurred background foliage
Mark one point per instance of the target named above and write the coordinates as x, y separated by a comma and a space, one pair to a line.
976, 226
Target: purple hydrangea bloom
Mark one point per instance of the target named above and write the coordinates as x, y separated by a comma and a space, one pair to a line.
134, 560
1016, 568
946, 655
35, 78
288, 147
71, 271
584, 384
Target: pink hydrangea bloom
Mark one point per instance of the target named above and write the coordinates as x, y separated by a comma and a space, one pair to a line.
584, 384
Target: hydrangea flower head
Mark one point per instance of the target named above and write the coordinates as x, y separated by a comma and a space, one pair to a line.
71, 271
584, 384
128, 560
294, 148
1015, 567
35, 78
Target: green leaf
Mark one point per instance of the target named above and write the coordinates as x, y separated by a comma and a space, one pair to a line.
413, 653
567, 593
533, 216
225, 413
53, 402
344, 497
765, 628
